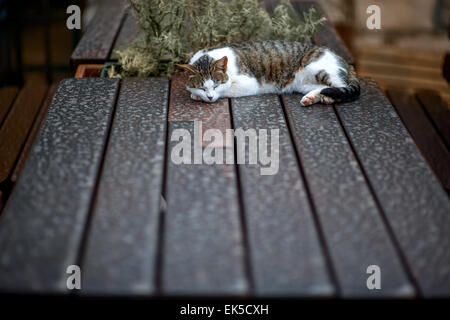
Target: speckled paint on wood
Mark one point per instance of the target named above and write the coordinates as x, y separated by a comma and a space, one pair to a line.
286, 255
42, 224
120, 256
414, 202
98, 40
203, 251
183, 108
352, 226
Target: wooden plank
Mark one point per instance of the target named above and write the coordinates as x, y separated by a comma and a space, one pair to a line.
285, 250
438, 110
375, 54
97, 42
127, 33
43, 221
7, 96
424, 58
89, 71
203, 244
405, 64
213, 115
412, 199
398, 70
18, 123
351, 223
120, 258
423, 132
33, 132
410, 83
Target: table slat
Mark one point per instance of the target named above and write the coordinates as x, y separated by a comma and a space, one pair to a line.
286, 255
423, 132
43, 221
414, 202
98, 40
7, 96
123, 237
203, 246
352, 226
18, 123
127, 33
438, 110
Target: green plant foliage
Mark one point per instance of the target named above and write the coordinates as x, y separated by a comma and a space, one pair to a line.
172, 30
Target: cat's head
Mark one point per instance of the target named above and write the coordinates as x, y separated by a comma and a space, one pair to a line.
207, 78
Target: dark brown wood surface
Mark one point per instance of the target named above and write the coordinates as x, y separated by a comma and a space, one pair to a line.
45, 216
97, 42
33, 132
100, 189
353, 228
7, 96
203, 243
121, 251
413, 201
438, 111
276, 205
14, 131
423, 132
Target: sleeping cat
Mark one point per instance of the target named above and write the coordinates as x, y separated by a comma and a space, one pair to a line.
257, 67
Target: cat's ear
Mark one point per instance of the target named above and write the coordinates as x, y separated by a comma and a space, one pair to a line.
221, 64
188, 68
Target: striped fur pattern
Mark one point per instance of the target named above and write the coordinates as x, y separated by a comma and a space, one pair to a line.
258, 67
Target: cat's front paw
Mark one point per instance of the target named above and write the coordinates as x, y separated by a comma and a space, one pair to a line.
195, 97
309, 99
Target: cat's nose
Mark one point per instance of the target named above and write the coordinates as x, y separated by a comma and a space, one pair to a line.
210, 98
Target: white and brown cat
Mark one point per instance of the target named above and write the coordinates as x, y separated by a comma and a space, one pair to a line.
258, 67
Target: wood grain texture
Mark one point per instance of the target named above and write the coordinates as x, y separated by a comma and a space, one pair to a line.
423, 132
7, 96
128, 32
33, 132
89, 71
18, 123
43, 221
122, 242
438, 110
350, 220
412, 199
286, 255
97, 42
203, 249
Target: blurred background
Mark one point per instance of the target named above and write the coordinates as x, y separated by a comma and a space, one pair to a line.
409, 49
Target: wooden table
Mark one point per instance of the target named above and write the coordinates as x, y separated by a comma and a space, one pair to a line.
100, 190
